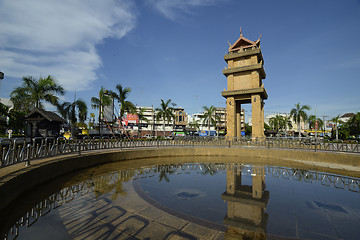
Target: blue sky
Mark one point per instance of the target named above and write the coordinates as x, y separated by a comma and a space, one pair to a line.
165, 49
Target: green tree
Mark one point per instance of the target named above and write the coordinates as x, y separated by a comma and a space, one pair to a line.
248, 129
195, 124
209, 116
336, 120
11, 119
141, 116
354, 125
164, 112
73, 111
99, 103
34, 92
299, 114
4, 114
351, 128
287, 123
103, 100
344, 131
312, 122
277, 122
16, 120
120, 96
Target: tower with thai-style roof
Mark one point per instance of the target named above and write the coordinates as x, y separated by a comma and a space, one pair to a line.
244, 73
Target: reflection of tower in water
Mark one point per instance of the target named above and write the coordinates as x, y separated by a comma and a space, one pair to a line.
245, 217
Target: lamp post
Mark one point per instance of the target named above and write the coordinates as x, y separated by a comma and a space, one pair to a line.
100, 119
315, 125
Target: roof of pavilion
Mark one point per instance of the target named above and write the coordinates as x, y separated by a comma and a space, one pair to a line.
243, 42
38, 114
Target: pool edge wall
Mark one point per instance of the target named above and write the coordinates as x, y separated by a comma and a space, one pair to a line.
18, 179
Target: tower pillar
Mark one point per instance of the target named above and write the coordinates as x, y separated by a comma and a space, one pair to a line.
231, 116
238, 120
256, 110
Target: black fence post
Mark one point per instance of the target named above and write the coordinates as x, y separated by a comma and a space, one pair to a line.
28, 153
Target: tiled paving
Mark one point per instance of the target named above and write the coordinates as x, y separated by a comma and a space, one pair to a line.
126, 217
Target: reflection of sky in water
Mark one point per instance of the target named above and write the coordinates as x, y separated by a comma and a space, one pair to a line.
312, 209
309, 209
194, 194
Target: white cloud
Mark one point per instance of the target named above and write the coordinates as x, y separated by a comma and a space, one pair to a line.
171, 8
58, 38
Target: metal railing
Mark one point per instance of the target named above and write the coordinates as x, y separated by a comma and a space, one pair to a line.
20, 150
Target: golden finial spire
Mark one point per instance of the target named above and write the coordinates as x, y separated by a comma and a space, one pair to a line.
240, 32
229, 44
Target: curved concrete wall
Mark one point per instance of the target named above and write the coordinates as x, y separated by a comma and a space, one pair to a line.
17, 179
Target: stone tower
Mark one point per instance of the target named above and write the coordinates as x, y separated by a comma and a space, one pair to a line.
244, 73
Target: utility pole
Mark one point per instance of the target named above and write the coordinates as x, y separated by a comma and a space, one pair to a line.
316, 125
176, 118
153, 121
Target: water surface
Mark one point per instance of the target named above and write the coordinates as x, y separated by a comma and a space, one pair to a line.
194, 198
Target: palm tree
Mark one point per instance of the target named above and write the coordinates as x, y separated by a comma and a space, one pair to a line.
72, 112
33, 92
99, 103
105, 100
141, 117
121, 95
195, 123
337, 121
164, 112
209, 116
299, 114
277, 122
313, 121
